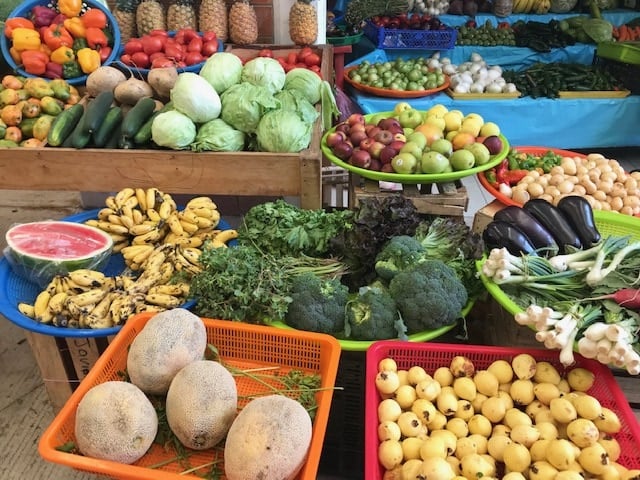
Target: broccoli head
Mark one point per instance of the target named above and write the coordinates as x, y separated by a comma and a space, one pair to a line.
428, 295
373, 315
317, 304
398, 254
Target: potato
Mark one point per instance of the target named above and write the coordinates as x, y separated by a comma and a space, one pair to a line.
502, 370
259, 443
560, 453
542, 470
162, 80
103, 79
580, 379
582, 432
516, 457
563, 410
132, 90
524, 366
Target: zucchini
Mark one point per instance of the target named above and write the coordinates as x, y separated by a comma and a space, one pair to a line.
97, 110
136, 117
63, 125
111, 120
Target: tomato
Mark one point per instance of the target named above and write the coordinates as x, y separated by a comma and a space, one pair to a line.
159, 33
316, 69
292, 58
155, 55
132, 46
174, 51
266, 52
312, 59
104, 53
140, 60
180, 64
193, 57
210, 47
195, 45
162, 62
300, 65
209, 36
151, 44
126, 59
304, 51
185, 35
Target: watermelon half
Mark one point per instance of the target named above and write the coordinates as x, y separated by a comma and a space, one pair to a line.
37, 251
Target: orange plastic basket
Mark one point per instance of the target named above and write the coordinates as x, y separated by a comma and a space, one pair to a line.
241, 345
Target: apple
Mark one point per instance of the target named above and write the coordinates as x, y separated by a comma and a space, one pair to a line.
401, 107
433, 162
494, 144
388, 122
368, 127
374, 131
412, 148
375, 118
410, 118
400, 137
334, 138
395, 129
419, 138
375, 164
360, 158
355, 118
387, 168
357, 127
357, 137
443, 146
366, 143
375, 149
404, 162
489, 129
343, 127
387, 154
384, 136
480, 153
462, 159
397, 145
342, 150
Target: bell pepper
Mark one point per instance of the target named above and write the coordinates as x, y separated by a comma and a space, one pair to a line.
43, 16
25, 39
16, 22
70, 8
75, 27
94, 17
63, 55
71, 70
54, 71
56, 36
88, 59
15, 55
96, 38
512, 177
34, 61
79, 44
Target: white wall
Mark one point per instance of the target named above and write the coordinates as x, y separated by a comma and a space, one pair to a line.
281, 21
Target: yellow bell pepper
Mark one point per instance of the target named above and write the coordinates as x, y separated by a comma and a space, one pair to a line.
88, 59
62, 55
25, 39
70, 8
75, 27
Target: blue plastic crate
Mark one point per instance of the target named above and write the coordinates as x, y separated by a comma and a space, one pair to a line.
388, 38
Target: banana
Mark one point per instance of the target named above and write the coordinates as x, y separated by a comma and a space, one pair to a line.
192, 255
53, 286
46, 317
112, 227
189, 227
114, 309
150, 237
201, 202
188, 216
40, 306
27, 309
131, 202
72, 287
145, 307
118, 237
142, 228
117, 247
75, 310
153, 215
166, 272
109, 284
95, 322
188, 242
92, 222
516, 6
132, 250
165, 209
176, 289
204, 223
127, 308
174, 224
152, 195
141, 195
155, 259
102, 307
104, 213
163, 300
182, 264
110, 202
115, 219
225, 236
144, 282
205, 212
90, 297
87, 278
123, 195
124, 282
127, 211
57, 302
138, 216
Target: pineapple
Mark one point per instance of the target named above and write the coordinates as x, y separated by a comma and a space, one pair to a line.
243, 23
303, 23
212, 17
125, 14
181, 14
149, 16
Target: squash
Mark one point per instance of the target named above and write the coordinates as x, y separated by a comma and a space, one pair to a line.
269, 440
115, 421
169, 341
201, 404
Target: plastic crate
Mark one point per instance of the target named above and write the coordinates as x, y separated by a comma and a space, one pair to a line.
242, 345
388, 38
626, 52
433, 355
627, 73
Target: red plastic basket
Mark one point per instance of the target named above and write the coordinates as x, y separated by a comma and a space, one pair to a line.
242, 345
433, 355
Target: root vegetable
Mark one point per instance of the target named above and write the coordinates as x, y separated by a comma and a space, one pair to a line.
162, 80
132, 90
104, 79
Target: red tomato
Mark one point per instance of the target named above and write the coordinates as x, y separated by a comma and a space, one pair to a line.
315, 68
181, 64
151, 44
195, 45
162, 62
193, 57
174, 51
210, 47
300, 65
208, 36
132, 46
141, 60
292, 58
304, 51
159, 33
155, 55
126, 59
266, 52
312, 59
188, 34
179, 37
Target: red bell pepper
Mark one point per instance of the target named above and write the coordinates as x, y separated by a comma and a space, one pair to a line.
34, 61
16, 22
56, 36
512, 177
53, 70
96, 39
94, 18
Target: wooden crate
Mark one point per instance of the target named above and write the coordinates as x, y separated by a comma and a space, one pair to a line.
484, 216
64, 362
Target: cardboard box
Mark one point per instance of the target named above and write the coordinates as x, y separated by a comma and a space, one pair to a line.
485, 215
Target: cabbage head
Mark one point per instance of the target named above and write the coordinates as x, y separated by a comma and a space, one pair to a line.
173, 129
281, 132
306, 82
294, 101
244, 104
221, 70
265, 72
195, 97
218, 136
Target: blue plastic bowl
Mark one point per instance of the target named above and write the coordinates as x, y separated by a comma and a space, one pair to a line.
15, 289
24, 10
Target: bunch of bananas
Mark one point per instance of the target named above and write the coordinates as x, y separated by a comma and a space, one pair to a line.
531, 6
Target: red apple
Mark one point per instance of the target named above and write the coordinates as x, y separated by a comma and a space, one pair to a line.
368, 127
376, 148
366, 144
400, 137
343, 127
336, 137
356, 127
375, 164
360, 158
395, 129
387, 153
355, 118
385, 123
384, 136
342, 150
374, 131
387, 168
397, 145
357, 137
493, 144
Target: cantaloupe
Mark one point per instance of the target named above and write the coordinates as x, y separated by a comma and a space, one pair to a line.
115, 421
169, 341
269, 440
201, 404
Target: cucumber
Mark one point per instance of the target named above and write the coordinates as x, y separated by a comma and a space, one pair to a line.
97, 110
78, 138
143, 136
111, 120
63, 125
113, 142
137, 116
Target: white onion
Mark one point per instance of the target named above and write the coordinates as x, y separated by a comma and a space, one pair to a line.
509, 88
476, 87
461, 88
497, 68
493, 74
449, 69
433, 63
500, 81
445, 61
476, 57
466, 77
494, 88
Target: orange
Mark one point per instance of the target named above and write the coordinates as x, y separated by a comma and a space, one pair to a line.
430, 131
462, 139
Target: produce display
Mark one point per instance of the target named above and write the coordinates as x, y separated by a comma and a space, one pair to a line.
514, 416
412, 75
486, 34
476, 77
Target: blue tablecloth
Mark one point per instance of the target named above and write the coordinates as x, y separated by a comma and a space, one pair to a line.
616, 17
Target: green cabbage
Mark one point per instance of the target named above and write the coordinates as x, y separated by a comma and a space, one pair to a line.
244, 104
306, 82
221, 70
218, 136
195, 97
294, 101
173, 129
598, 30
281, 132
265, 72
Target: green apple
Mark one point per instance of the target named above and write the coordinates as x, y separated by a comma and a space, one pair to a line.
404, 162
417, 137
462, 160
480, 153
374, 119
488, 129
412, 148
443, 146
433, 162
401, 107
410, 118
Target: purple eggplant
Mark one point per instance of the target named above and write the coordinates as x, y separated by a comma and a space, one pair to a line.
580, 215
501, 234
556, 222
538, 234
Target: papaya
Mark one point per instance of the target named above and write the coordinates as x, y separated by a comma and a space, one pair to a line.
51, 105
42, 126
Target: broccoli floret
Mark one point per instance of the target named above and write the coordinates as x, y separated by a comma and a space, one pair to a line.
317, 304
428, 295
398, 254
373, 315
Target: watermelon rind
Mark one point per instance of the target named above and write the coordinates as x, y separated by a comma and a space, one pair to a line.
40, 269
